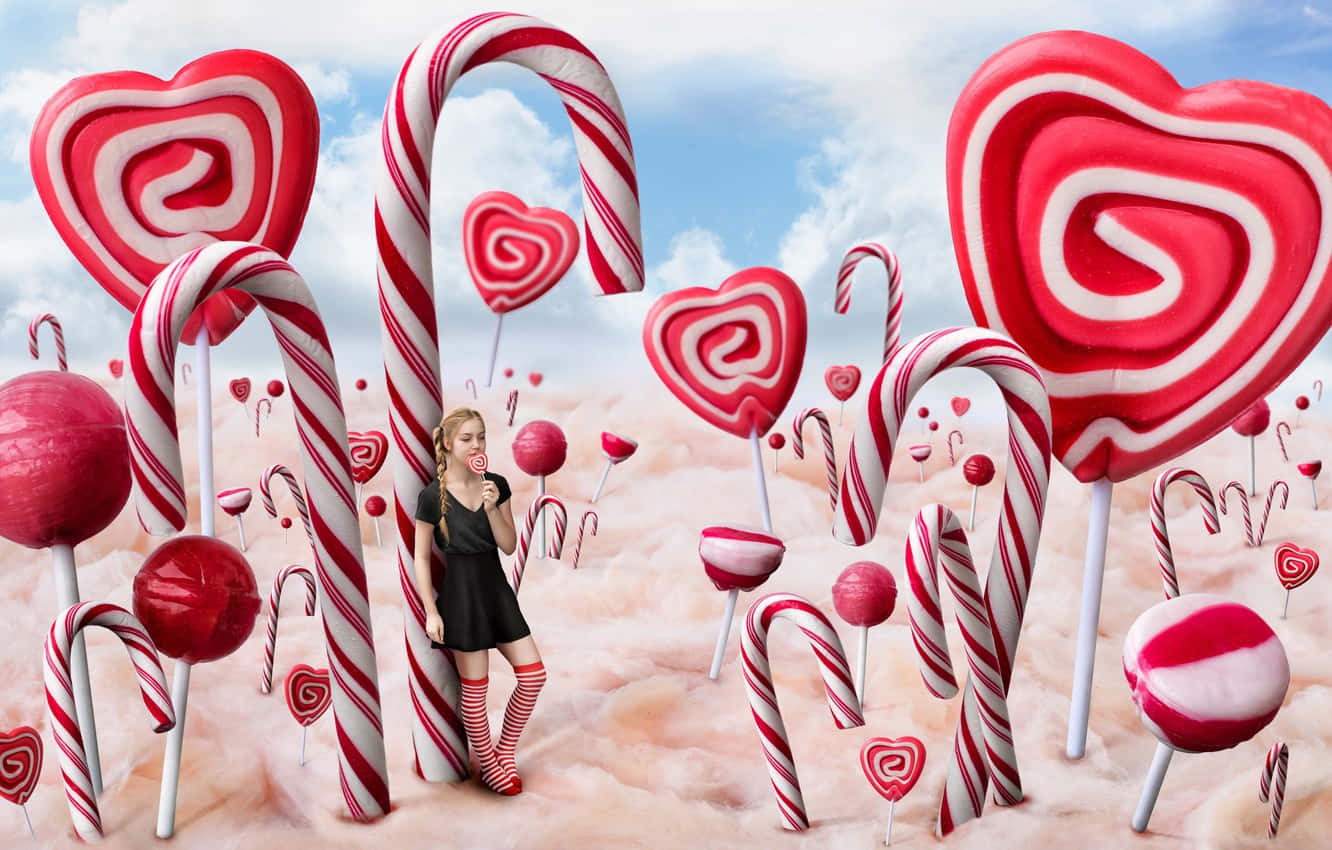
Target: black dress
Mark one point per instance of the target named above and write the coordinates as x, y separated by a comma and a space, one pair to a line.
475, 601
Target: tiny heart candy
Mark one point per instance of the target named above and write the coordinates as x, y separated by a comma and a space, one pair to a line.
1294, 566
842, 381
240, 389
308, 693
20, 764
892, 765
960, 406
368, 450
515, 254
117, 367
534, 379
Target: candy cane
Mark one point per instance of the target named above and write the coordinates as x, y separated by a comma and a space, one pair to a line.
274, 598
471, 385
60, 698
256, 413
829, 458
1159, 532
266, 493
892, 335
952, 459
842, 701
1244, 505
1008, 583
185, 373
1318, 387
1273, 783
545, 500
937, 539
48, 318
512, 405
311, 374
582, 525
1281, 442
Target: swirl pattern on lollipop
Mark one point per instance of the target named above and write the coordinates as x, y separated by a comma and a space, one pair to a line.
515, 253
478, 462
368, 451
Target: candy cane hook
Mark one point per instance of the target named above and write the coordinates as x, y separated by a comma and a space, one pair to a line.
1250, 537
582, 525
256, 413
892, 335
1159, 532
1272, 783
1027, 477
829, 453
311, 374
545, 500
266, 493
952, 458
841, 692
60, 698
50, 319
1281, 442
1318, 388
274, 598
471, 385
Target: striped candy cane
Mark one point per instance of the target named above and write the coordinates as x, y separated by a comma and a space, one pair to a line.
274, 598
257, 405
545, 500
1159, 533
1267, 509
266, 493
311, 374
842, 701
60, 698
471, 385
937, 539
952, 458
582, 526
1318, 388
512, 405
829, 453
892, 335
406, 285
1027, 477
1273, 783
1281, 442
50, 319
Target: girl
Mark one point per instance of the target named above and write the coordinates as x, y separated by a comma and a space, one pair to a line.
468, 516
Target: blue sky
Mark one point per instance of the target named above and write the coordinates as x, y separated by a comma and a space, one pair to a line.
764, 136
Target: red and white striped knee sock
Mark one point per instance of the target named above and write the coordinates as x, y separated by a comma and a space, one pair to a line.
531, 677
477, 725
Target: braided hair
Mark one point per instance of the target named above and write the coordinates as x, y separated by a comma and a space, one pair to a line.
448, 426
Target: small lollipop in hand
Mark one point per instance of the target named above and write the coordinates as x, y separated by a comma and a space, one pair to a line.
235, 502
20, 767
979, 471
920, 453
617, 450
478, 462
375, 507
864, 595
1310, 469
776, 441
892, 766
1294, 566
308, 697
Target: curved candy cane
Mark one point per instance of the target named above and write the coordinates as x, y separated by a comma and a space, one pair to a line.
842, 700
1159, 532
545, 500
1027, 476
829, 455
256, 413
60, 698
582, 525
470, 384
311, 374
512, 405
1244, 505
1318, 387
892, 335
952, 458
937, 539
274, 598
1281, 442
50, 319
1273, 783
266, 493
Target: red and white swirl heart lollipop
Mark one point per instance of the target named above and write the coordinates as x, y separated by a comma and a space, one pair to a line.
960, 405
240, 389
1294, 567
368, 450
478, 462
842, 381
308, 697
515, 253
20, 763
1161, 253
135, 171
733, 354
892, 766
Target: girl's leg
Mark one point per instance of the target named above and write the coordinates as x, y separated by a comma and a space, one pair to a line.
531, 675
473, 678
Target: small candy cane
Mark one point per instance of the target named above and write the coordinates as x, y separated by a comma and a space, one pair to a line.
1267, 509
256, 413
829, 456
267, 494
1159, 532
1281, 442
892, 334
471, 385
1318, 388
841, 692
1273, 783
60, 698
545, 500
185, 373
59, 332
512, 405
952, 459
274, 598
582, 525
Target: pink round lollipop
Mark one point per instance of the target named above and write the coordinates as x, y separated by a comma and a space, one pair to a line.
736, 558
776, 440
508, 373
1302, 402
539, 448
375, 506
865, 594
617, 449
1254, 420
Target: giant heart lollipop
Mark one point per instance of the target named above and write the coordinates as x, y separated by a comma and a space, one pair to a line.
1161, 253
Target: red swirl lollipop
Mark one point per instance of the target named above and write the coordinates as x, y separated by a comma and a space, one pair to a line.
892, 766
308, 697
478, 462
240, 389
20, 767
842, 382
1294, 566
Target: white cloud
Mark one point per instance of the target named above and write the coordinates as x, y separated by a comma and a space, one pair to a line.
326, 86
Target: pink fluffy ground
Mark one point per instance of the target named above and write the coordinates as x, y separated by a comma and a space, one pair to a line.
631, 745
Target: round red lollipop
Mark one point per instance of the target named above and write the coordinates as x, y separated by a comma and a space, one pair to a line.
64, 459
286, 522
1253, 421
361, 384
275, 388
508, 373
934, 426
978, 470
923, 413
375, 506
776, 440
1302, 402
865, 594
540, 448
197, 598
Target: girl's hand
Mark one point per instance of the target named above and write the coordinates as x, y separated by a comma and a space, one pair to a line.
489, 495
434, 627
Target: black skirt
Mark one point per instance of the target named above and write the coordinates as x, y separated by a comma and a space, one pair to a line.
477, 604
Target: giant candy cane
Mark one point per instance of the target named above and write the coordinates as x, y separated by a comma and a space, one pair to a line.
159, 490
1028, 475
406, 285
892, 335
60, 698
842, 701
1159, 533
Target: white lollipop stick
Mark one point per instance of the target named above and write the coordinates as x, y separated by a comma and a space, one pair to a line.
888, 836
204, 393
1253, 465
494, 350
175, 742
378, 542
240, 527
971, 517
1093, 575
67, 594
605, 473
28, 821
759, 481
728, 615
1151, 789
862, 656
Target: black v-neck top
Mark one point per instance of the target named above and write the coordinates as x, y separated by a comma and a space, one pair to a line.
469, 531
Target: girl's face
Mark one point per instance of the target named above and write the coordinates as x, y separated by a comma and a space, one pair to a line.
469, 439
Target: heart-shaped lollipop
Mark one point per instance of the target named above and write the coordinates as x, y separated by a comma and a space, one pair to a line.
960, 405
516, 253
1294, 565
1161, 253
368, 450
892, 765
135, 171
116, 367
308, 693
733, 354
534, 378
20, 763
842, 381
240, 389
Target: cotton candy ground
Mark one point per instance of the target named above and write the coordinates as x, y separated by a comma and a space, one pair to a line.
631, 745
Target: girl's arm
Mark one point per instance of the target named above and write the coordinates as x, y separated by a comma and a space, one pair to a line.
424, 585
501, 525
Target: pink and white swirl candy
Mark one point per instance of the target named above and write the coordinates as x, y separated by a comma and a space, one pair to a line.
274, 600
235, 501
514, 253
20, 763
1008, 582
541, 502
829, 451
308, 693
1272, 783
762, 694
892, 765
842, 381
1159, 533
1256, 540
478, 462
322, 427
736, 557
892, 335
266, 494
920, 453
368, 451
60, 698
1295, 565
48, 318
582, 526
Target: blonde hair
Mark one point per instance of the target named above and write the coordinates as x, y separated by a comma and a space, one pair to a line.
448, 426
